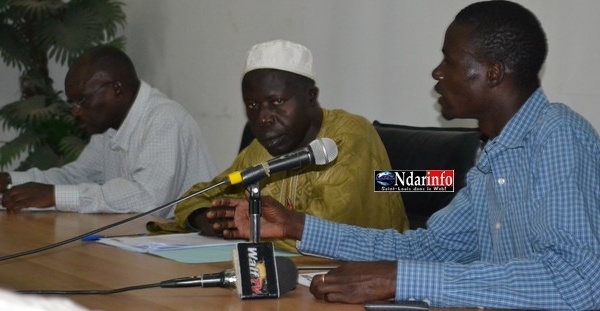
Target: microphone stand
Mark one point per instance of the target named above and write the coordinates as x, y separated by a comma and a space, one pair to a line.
254, 211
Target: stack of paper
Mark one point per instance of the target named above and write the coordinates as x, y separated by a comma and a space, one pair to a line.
182, 247
155, 243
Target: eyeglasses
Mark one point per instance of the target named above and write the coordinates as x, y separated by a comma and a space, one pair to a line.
83, 102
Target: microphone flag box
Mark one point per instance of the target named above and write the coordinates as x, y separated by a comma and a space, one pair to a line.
256, 270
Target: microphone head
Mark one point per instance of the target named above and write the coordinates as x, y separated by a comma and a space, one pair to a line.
287, 274
324, 150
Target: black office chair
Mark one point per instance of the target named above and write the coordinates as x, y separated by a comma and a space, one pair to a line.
247, 137
423, 148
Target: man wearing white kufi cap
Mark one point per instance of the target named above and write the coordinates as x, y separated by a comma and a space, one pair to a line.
281, 100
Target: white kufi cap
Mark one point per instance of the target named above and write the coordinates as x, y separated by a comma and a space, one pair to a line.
282, 55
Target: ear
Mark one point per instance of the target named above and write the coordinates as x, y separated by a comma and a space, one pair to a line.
313, 95
496, 73
118, 88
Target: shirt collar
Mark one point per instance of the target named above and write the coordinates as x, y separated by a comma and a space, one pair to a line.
121, 137
514, 132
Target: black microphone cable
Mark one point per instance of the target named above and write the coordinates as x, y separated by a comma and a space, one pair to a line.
86, 292
118, 223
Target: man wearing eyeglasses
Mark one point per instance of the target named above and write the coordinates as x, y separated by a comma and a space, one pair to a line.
145, 149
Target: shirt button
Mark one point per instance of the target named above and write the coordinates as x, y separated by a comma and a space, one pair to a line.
497, 226
501, 181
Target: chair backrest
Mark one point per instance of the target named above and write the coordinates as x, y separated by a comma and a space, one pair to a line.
423, 148
247, 137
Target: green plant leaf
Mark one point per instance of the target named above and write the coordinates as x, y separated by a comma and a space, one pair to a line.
108, 14
72, 32
8, 116
71, 147
117, 42
37, 8
32, 110
42, 157
83, 25
13, 149
13, 47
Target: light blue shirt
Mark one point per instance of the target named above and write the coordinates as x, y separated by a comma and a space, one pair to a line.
523, 233
157, 153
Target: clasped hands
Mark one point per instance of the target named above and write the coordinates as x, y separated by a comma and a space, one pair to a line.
351, 282
29, 194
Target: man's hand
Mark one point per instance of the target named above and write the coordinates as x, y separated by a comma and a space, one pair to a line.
211, 227
357, 282
28, 195
276, 221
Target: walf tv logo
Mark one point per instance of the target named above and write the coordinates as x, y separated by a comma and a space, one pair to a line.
414, 181
258, 273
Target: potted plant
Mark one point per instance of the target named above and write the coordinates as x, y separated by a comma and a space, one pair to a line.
32, 33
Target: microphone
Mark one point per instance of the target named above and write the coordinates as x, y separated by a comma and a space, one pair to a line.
320, 151
286, 270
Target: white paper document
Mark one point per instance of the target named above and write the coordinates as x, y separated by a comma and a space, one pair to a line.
306, 278
154, 243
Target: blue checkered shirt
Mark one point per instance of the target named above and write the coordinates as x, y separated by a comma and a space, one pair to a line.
523, 233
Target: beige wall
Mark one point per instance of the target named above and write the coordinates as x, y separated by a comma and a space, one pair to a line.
372, 57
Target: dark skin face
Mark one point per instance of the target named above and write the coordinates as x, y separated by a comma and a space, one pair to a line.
284, 116
461, 77
471, 87
100, 101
